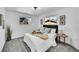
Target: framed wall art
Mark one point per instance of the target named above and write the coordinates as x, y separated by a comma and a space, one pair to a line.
25, 20
62, 20
0, 19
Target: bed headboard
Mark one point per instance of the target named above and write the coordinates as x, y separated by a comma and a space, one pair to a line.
52, 26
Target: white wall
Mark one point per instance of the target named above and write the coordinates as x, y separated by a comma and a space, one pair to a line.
2, 32
72, 22
18, 30
36, 21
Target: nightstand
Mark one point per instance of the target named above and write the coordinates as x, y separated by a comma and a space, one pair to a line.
62, 36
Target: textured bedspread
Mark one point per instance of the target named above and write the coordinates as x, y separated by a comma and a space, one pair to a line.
38, 44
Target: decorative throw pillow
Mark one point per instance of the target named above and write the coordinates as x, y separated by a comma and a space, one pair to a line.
42, 29
47, 30
53, 31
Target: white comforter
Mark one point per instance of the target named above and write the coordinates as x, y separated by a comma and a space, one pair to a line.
38, 44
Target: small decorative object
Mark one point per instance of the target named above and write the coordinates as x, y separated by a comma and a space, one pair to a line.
0, 19
24, 20
62, 20
8, 33
34, 32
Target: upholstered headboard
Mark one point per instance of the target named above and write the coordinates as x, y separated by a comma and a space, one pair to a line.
52, 26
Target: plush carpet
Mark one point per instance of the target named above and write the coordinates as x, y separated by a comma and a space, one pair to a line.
18, 45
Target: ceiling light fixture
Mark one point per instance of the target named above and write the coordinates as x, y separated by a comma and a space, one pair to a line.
35, 8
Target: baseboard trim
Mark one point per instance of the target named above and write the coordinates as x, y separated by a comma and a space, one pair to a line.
18, 37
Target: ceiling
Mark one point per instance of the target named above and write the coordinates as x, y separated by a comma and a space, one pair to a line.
32, 11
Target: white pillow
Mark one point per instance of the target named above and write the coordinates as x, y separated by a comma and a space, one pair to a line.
53, 31
47, 30
42, 29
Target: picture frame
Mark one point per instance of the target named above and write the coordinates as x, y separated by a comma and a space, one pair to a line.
25, 20
0, 19
53, 19
62, 20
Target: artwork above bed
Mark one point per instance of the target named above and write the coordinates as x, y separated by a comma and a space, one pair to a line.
51, 20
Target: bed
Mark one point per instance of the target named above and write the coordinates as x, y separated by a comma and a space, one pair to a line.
38, 44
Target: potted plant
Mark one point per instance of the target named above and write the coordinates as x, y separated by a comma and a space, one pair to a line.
8, 33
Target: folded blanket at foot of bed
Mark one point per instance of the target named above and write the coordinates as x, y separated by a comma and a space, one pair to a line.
42, 36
